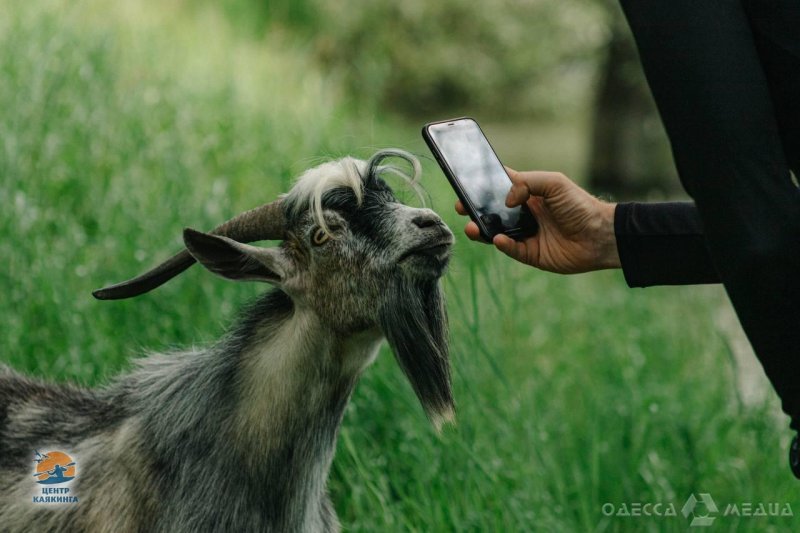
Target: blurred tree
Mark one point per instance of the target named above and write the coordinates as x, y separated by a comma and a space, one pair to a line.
630, 153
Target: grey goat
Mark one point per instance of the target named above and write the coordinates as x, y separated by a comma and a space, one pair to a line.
240, 436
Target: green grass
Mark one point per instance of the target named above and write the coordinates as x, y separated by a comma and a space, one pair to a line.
121, 125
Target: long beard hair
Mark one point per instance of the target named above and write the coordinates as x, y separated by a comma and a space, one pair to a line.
414, 319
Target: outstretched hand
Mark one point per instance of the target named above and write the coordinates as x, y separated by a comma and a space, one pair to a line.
576, 230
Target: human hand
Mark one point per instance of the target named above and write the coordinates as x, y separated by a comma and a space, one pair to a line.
576, 230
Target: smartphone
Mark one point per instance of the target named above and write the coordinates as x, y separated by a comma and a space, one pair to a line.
479, 179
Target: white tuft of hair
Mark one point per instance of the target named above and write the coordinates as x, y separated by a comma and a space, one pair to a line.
314, 182
349, 172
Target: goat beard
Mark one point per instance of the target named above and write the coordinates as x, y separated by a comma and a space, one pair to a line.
414, 320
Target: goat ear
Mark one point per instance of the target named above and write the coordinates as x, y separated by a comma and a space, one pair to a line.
234, 260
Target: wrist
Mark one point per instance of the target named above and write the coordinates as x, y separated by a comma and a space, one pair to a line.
606, 239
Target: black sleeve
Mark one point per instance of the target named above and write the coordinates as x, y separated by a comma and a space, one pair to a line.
662, 244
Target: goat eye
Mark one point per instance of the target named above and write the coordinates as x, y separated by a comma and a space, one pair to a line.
320, 236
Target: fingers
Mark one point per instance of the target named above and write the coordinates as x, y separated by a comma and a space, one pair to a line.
472, 231
510, 247
503, 243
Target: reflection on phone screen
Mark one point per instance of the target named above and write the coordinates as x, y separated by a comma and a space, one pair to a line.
483, 178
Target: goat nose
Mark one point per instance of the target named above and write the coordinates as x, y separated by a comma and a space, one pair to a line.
426, 220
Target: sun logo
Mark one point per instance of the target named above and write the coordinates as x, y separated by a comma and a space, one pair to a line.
54, 467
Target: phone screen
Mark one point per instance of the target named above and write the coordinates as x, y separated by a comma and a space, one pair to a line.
480, 174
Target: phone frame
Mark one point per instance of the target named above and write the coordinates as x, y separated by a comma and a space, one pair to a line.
515, 233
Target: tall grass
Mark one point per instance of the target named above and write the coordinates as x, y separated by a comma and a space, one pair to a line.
123, 123
119, 129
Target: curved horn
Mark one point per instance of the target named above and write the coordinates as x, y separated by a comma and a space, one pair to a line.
259, 224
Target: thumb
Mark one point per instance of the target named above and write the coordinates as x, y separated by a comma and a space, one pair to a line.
532, 183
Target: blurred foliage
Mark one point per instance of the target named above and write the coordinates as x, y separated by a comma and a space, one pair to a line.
510, 58
256, 17
514, 61
507, 57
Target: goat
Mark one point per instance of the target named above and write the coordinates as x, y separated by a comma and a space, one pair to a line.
240, 436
